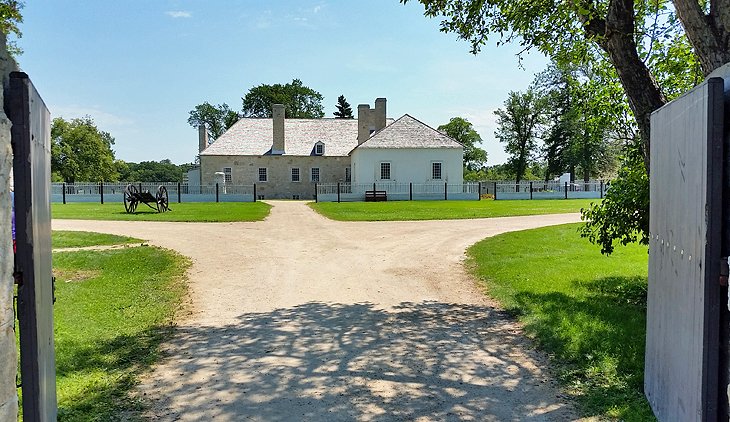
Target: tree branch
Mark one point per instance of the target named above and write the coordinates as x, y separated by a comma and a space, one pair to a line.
708, 34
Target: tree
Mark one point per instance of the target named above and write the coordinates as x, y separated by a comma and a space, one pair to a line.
651, 55
463, 132
517, 127
10, 17
344, 111
152, 171
300, 102
217, 119
80, 152
585, 30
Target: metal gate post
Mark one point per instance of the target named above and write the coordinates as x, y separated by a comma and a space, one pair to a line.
216, 193
101, 192
338, 192
64, 192
530, 190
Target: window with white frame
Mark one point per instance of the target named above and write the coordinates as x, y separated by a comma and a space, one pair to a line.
263, 174
385, 170
228, 175
315, 174
295, 174
319, 148
437, 170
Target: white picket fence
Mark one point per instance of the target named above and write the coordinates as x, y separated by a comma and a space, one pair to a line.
353, 192
178, 192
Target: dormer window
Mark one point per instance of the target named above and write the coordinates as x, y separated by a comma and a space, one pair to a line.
319, 148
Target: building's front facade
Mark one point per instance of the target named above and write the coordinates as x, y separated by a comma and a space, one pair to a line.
286, 158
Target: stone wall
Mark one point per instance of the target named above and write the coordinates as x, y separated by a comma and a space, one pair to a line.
245, 171
8, 354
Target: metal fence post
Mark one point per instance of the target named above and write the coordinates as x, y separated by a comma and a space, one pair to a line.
566, 190
64, 192
410, 191
530, 189
316, 197
254, 192
495, 190
446, 191
140, 188
216, 193
178, 193
101, 192
601, 188
479, 191
338, 192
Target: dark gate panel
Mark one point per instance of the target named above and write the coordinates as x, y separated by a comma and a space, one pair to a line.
32, 168
682, 346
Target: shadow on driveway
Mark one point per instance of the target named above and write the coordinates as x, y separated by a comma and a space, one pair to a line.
324, 362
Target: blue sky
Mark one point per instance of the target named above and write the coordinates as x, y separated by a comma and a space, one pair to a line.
139, 66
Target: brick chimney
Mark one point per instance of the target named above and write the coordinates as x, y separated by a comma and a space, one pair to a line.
363, 123
277, 111
378, 119
202, 138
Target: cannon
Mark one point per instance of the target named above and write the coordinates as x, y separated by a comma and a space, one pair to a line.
133, 197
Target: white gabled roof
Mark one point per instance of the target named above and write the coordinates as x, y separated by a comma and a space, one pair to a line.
409, 132
254, 136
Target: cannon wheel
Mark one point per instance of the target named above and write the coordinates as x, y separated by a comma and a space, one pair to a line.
130, 201
162, 199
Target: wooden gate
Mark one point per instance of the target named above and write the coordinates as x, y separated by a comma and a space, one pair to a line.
683, 312
31, 143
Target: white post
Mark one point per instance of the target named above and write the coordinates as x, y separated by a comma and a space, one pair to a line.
8, 354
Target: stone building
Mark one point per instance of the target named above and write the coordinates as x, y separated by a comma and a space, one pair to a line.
285, 158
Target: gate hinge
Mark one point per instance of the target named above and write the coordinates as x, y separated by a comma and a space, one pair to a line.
18, 277
724, 270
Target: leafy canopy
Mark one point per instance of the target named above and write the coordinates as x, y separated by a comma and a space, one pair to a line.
463, 132
300, 101
518, 126
80, 152
217, 119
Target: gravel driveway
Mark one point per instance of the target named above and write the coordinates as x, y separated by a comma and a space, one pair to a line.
306, 319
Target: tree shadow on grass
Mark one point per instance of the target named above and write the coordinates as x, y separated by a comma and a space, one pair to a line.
107, 371
597, 337
341, 362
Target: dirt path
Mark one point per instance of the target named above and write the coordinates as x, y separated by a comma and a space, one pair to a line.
302, 318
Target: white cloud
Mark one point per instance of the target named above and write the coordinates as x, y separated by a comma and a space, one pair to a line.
179, 14
104, 120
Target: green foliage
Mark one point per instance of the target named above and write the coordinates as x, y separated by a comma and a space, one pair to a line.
187, 211
80, 152
518, 127
587, 312
443, 210
300, 102
463, 132
344, 111
10, 18
74, 239
217, 119
623, 215
110, 318
150, 171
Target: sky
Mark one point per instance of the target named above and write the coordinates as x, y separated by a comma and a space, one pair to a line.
138, 67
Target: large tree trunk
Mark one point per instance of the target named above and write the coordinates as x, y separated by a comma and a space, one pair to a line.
709, 34
615, 35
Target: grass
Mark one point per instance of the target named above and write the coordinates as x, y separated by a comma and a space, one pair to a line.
444, 210
586, 310
72, 239
191, 211
113, 309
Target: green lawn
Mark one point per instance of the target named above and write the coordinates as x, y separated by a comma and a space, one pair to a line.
112, 311
587, 311
444, 210
72, 239
191, 211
